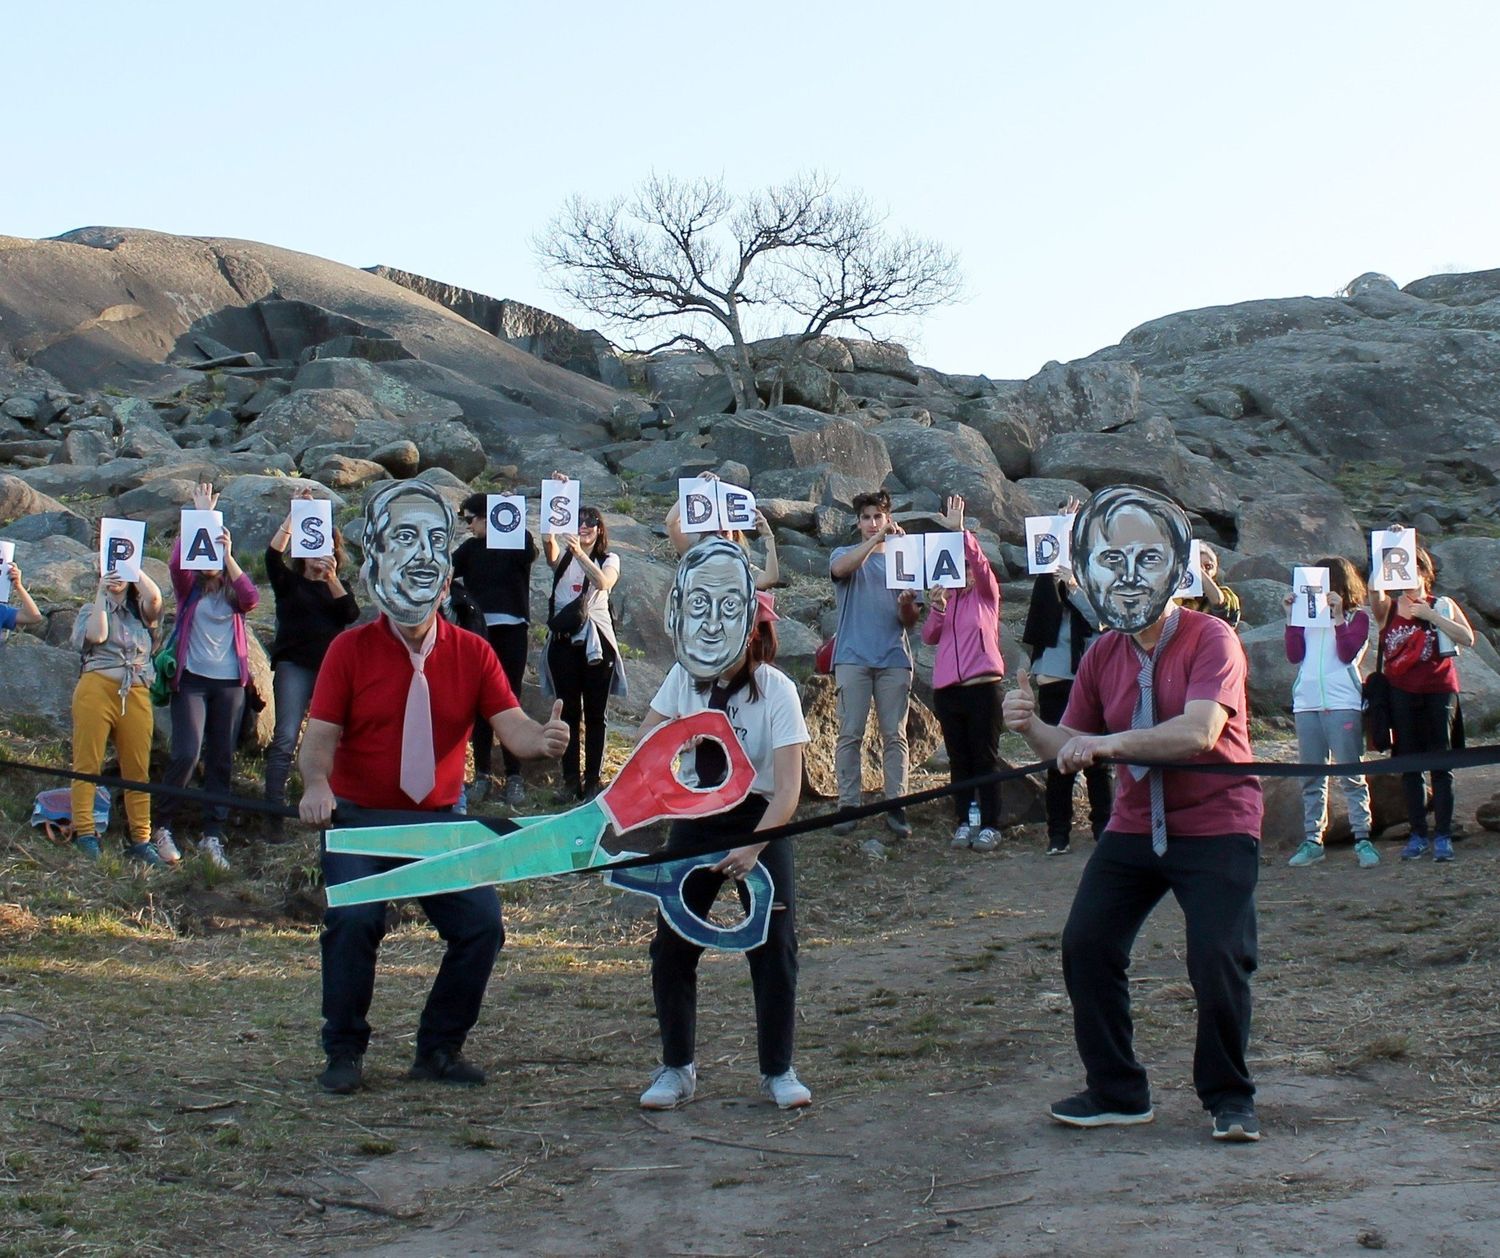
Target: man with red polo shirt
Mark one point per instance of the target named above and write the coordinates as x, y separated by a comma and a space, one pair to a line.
391, 715
1168, 684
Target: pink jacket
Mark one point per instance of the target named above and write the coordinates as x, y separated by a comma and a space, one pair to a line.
241, 592
967, 635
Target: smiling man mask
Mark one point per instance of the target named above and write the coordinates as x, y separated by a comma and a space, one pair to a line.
711, 607
408, 529
1131, 547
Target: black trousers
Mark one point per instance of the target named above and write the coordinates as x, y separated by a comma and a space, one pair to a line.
510, 643
1213, 880
584, 691
773, 965
1425, 723
467, 921
1052, 702
970, 717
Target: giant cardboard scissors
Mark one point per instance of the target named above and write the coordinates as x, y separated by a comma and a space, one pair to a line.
468, 852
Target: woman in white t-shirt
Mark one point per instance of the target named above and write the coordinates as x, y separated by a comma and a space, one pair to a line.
763, 707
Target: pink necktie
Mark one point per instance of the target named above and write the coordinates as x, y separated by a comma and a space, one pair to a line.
418, 766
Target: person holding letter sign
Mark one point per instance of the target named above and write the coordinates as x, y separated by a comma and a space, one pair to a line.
765, 578
1168, 684
213, 669
871, 658
312, 608
1217, 599
1419, 637
28, 612
581, 662
1326, 701
498, 580
113, 634
967, 670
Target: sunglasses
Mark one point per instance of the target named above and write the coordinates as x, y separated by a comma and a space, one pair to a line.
588, 521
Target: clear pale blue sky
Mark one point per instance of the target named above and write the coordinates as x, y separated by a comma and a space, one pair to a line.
1096, 164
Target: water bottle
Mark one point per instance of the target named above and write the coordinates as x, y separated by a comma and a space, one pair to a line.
974, 814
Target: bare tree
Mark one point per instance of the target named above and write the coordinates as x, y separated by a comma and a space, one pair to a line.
692, 262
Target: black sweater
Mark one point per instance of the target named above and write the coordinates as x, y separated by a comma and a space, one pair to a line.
1044, 620
499, 581
308, 617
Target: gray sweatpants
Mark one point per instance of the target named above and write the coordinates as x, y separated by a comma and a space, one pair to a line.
1341, 733
891, 690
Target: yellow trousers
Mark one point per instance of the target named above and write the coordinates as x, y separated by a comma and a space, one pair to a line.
96, 718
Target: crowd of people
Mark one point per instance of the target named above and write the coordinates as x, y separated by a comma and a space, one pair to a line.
1119, 665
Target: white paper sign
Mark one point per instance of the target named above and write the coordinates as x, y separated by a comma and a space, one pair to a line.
7, 557
709, 505
1310, 598
1393, 559
312, 528
921, 560
903, 563
560, 506
200, 541
122, 545
1049, 543
505, 522
1191, 585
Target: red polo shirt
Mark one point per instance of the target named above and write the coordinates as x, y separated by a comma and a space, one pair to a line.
362, 688
1204, 660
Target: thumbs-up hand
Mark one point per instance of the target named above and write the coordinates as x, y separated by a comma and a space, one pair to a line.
555, 733
1019, 706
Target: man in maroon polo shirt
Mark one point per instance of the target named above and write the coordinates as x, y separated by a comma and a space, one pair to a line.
391, 715
1166, 684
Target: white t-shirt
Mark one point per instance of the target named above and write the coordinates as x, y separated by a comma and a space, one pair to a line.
597, 608
772, 721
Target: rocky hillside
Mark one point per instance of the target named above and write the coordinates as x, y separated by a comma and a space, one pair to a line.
133, 363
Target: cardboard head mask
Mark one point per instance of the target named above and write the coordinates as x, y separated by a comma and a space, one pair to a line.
711, 608
1131, 547
407, 531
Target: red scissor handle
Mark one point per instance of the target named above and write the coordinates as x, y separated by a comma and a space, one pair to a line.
646, 789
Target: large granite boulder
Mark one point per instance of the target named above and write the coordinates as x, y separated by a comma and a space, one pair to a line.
955, 459
820, 708
254, 507
1300, 528
358, 375
1467, 570
690, 383
19, 498
794, 437
314, 416
36, 683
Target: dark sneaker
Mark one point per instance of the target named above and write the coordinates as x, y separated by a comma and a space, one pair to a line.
569, 793
1236, 1122
1442, 848
479, 789
897, 824
1057, 845
844, 827
344, 1074
443, 1066
143, 854
1083, 1111
515, 790
1415, 849
88, 845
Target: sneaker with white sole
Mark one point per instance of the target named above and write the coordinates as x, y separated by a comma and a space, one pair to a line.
211, 848
788, 1091
1365, 854
165, 847
962, 835
1083, 1111
1310, 853
1235, 1121
670, 1087
987, 840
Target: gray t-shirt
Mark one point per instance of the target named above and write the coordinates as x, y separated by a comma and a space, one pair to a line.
210, 647
870, 632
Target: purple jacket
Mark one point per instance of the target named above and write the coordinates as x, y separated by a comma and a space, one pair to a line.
968, 633
242, 595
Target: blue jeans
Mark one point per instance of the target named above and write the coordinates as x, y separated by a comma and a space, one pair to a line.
467, 921
293, 688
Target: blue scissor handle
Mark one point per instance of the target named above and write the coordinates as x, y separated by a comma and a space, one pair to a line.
663, 883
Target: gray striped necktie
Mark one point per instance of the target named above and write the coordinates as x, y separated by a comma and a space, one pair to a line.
1144, 717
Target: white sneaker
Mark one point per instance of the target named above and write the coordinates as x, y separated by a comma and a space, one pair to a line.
788, 1091
165, 847
211, 848
670, 1087
987, 840
961, 835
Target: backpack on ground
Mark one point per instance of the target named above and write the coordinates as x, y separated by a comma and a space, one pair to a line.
52, 812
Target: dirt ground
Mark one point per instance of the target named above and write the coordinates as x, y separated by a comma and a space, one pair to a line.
934, 1032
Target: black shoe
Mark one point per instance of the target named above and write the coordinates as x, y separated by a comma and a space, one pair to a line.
1236, 1121
445, 1066
592, 788
343, 1075
569, 793
1083, 1111
844, 827
1057, 845
897, 824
